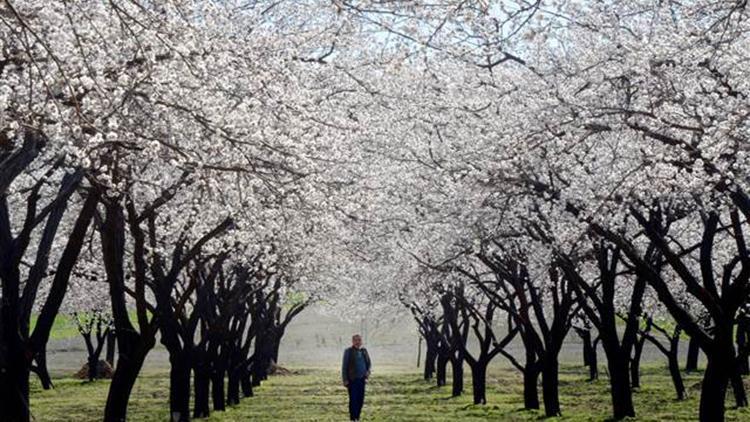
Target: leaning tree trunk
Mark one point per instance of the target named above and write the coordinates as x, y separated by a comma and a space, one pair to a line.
674, 371
128, 367
41, 368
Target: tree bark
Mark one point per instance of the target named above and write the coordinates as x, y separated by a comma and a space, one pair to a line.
201, 407
714, 390
442, 365
550, 385
738, 388
217, 389
674, 372
530, 382
179, 388
14, 387
635, 363
457, 366
479, 382
128, 367
41, 368
429, 361
622, 396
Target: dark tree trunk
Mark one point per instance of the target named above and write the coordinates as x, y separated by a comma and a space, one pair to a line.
479, 382
674, 372
179, 388
457, 366
691, 364
740, 396
41, 369
429, 361
743, 334
128, 367
233, 387
442, 369
530, 390
201, 407
217, 389
622, 396
714, 390
585, 336
635, 363
550, 385
246, 382
93, 362
14, 387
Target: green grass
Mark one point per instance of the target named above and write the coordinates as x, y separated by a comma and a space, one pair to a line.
64, 327
393, 395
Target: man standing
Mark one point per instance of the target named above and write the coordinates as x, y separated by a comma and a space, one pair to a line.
354, 373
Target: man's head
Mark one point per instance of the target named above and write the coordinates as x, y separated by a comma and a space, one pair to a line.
356, 341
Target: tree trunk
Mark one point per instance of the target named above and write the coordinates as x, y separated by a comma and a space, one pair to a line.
530, 393
41, 368
457, 365
550, 384
714, 390
622, 396
635, 363
201, 407
14, 388
585, 336
743, 332
128, 367
93, 362
217, 390
429, 361
233, 387
740, 397
179, 388
246, 382
674, 371
691, 364
479, 382
442, 365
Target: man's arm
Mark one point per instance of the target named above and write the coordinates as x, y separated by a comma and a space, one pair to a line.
344, 368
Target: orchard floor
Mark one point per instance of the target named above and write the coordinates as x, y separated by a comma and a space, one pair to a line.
394, 394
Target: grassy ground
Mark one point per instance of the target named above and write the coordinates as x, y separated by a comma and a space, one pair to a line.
393, 395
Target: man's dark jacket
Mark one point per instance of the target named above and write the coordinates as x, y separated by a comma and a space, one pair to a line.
351, 362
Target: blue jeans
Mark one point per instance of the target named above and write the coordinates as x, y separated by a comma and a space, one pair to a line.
356, 389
